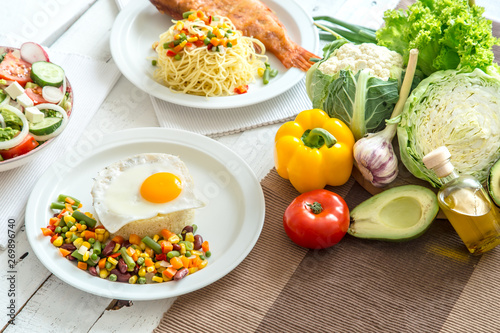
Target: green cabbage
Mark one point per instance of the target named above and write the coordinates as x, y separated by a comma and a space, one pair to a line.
362, 100
456, 109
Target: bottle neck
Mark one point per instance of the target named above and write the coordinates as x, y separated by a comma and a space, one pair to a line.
452, 175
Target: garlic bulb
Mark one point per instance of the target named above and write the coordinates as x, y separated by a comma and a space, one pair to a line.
374, 154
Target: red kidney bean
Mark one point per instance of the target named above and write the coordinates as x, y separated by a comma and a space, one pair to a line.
122, 266
136, 270
176, 247
126, 243
70, 257
108, 249
68, 246
181, 273
92, 271
186, 229
121, 277
198, 240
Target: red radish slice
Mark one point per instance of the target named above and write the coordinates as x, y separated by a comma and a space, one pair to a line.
52, 94
32, 52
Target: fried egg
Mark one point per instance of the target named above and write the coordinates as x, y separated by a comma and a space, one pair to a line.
142, 187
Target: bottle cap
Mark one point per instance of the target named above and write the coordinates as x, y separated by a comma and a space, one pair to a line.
439, 161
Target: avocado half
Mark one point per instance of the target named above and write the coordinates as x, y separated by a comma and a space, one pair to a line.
494, 182
399, 214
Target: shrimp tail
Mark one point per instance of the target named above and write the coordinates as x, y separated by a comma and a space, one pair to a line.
301, 58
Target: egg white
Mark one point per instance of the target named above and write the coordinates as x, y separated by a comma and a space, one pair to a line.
116, 191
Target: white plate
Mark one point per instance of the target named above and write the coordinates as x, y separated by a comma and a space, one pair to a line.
140, 24
231, 222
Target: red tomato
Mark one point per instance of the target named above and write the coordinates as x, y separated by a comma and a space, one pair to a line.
36, 95
15, 69
317, 219
28, 144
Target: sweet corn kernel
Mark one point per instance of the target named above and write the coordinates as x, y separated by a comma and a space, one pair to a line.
144, 255
104, 273
161, 269
100, 238
192, 39
89, 214
156, 237
86, 256
203, 264
100, 231
157, 279
192, 270
133, 279
157, 264
142, 246
113, 261
183, 248
261, 71
150, 269
189, 237
69, 218
117, 247
82, 250
78, 242
86, 244
197, 253
165, 278
106, 236
174, 239
58, 241
178, 36
68, 234
142, 271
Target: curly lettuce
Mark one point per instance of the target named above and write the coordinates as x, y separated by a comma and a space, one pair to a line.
456, 109
449, 34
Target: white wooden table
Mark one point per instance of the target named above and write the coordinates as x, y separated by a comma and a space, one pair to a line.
43, 302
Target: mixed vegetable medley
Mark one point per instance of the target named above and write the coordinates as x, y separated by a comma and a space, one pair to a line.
159, 258
35, 100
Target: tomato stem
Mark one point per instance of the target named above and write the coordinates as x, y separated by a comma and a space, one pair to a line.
315, 207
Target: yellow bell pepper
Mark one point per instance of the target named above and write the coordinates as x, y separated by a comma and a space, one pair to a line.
314, 150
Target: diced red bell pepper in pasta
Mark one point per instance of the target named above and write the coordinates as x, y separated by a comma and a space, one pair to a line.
171, 53
241, 89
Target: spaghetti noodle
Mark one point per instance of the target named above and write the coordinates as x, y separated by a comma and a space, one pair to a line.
206, 55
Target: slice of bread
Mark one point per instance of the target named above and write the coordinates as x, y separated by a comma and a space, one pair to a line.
173, 222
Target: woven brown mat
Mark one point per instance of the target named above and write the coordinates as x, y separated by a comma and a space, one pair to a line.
430, 284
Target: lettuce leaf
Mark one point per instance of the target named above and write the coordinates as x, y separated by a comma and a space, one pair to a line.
448, 34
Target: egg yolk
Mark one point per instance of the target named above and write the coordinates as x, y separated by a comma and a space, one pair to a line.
161, 187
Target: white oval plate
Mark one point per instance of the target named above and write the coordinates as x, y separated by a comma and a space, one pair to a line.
139, 24
231, 221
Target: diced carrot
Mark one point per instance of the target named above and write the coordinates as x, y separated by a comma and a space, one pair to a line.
114, 255
118, 239
82, 265
169, 272
130, 250
176, 262
214, 41
46, 231
80, 205
200, 14
148, 262
196, 262
69, 208
166, 234
54, 238
134, 239
166, 246
89, 234
205, 246
53, 220
149, 252
61, 213
102, 263
185, 261
135, 256
69, 200
64, 252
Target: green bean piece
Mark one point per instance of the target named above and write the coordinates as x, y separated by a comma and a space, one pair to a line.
97, 247
202, 257
84, 218
165, 45
62, 198
180, 237
73, 238
273, 72
208, 254
69, 225
64, 229
195, 227
108, 265
152, 244
177, 42
140, 261
112, 277
77, 255
172, 254
183, 36
189, 245
62, 223
58, 230
59, 205
91, 240
128, 259
266, 77
154, 62
141, 280
210, 35
186, 14
206, 41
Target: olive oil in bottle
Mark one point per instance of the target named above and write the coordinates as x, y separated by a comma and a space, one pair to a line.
465, 203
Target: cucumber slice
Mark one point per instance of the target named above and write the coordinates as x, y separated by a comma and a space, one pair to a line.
46, 126
47, 74
494, 183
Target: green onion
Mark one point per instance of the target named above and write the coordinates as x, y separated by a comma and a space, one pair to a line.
152, 244
128, 259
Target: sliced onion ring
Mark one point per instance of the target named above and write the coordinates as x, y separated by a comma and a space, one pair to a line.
59, 129
2, 122
6, 100
20, 137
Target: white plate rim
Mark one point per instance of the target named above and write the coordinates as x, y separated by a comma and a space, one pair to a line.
252, 193
308, 39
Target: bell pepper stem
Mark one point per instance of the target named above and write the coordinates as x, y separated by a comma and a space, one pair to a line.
317, 137
315, 207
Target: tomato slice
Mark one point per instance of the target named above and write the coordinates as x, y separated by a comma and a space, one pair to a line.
28, 144
15, 69
36, 95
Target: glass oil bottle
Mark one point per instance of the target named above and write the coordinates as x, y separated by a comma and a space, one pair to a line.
465, 203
